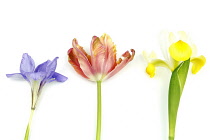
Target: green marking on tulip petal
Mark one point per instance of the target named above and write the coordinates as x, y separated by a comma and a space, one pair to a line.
176, 87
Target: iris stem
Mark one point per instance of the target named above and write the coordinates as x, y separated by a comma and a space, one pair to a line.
98, 128
29, 125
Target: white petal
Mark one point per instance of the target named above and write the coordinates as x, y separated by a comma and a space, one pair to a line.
164, 44
194, 50
172, 38
149, 57
183, 36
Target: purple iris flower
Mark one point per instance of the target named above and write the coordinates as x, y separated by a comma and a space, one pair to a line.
39, 76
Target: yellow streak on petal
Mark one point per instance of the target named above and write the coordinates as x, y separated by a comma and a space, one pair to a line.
180, 51
106, 40
198, 63
119, 61
150, 70
97, 47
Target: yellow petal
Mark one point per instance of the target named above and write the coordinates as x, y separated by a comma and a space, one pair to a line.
150, 70
198, 63
180, 51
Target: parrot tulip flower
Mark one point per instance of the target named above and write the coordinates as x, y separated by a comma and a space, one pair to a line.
178, 51
100, 65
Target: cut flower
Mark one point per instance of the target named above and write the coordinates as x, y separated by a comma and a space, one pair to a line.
100, 65
37, 78
176, 48
178, 52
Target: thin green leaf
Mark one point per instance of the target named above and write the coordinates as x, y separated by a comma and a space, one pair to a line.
176, 86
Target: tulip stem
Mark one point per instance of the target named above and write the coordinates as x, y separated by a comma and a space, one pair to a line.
29, 125
98, 129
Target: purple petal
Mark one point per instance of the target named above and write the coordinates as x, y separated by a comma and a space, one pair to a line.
36, 76
59, 77
42, 67
52, 65
15, 75
27, 64
50, 69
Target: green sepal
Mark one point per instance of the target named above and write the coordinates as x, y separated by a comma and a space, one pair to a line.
176, 86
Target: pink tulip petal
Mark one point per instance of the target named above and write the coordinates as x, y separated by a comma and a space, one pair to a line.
73, 60
83, 59
121, 63
110, 53
97, 54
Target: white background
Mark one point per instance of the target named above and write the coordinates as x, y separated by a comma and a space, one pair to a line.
134, 105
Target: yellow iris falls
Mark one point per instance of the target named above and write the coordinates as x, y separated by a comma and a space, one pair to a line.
180, 51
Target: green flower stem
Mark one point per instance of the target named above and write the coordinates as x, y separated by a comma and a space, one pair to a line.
29, 125
98, 128
171, 138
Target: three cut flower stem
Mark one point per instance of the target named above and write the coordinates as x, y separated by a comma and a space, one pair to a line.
99, 114
98, 127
